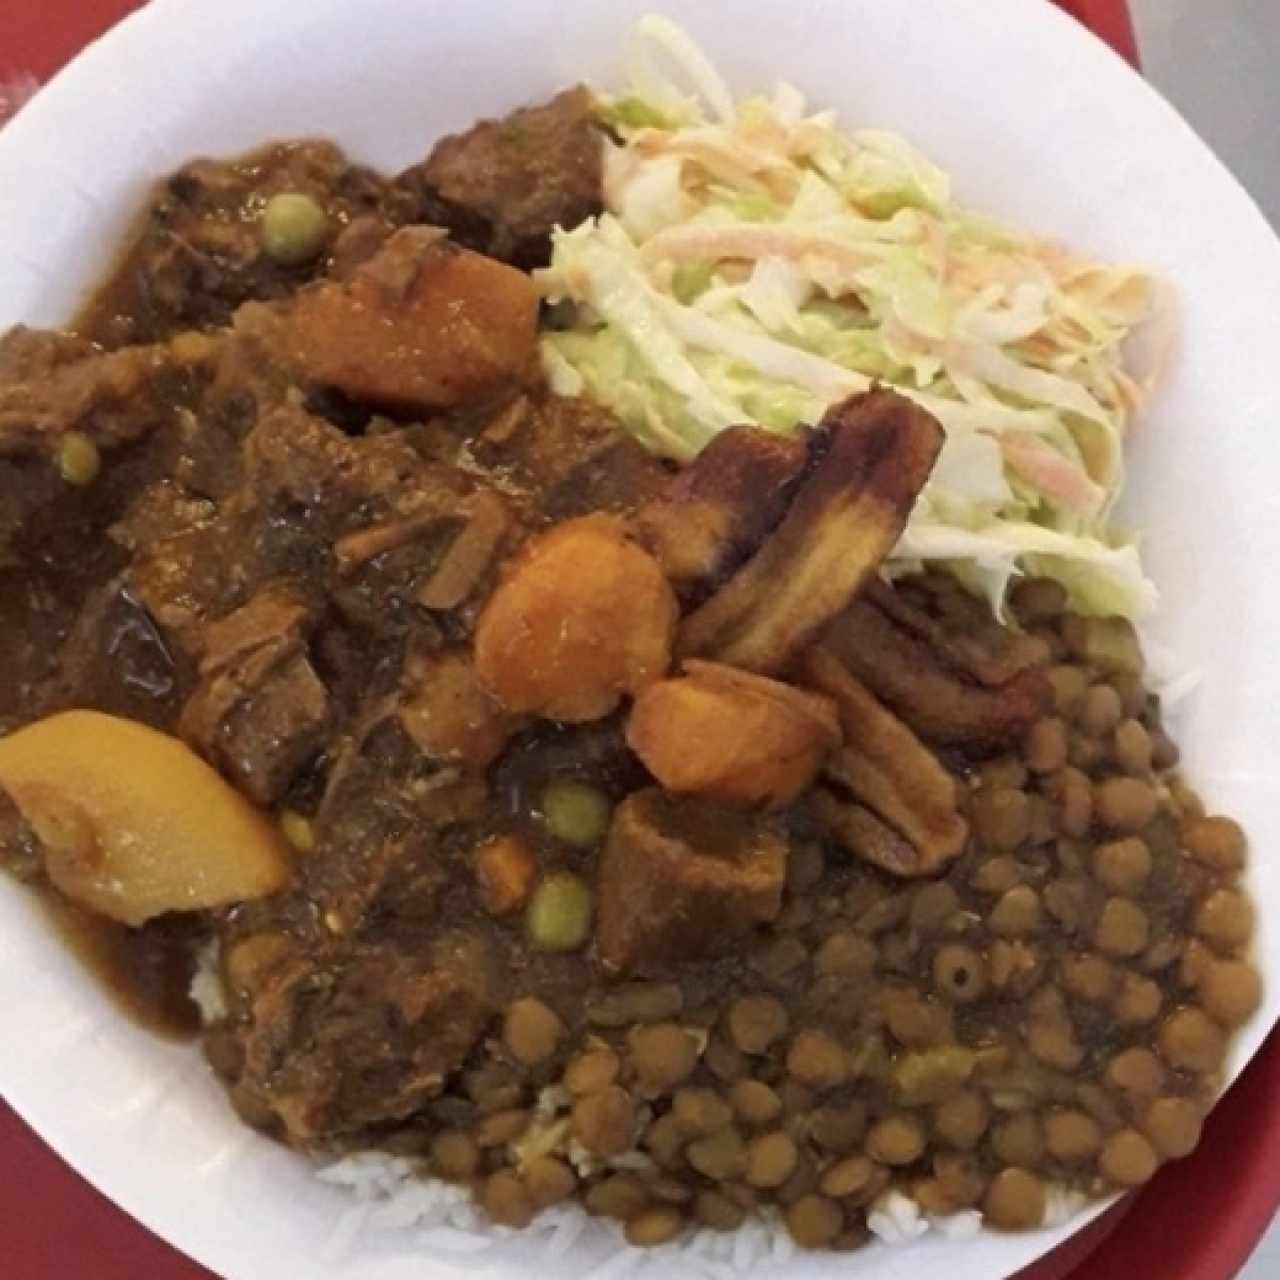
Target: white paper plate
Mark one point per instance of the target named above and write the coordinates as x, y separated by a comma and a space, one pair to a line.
1036, 119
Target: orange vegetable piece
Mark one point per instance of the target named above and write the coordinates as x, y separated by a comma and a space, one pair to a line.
505, 871
583, 617
423, 324
732, 737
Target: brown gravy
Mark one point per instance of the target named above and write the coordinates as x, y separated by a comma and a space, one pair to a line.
147, 971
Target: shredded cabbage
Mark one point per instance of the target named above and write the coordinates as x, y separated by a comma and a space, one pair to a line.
756, 262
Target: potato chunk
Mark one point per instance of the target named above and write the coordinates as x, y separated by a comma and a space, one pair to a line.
134, 823
584, 617
732, 737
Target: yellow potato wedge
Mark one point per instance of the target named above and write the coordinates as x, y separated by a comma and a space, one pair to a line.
133, 822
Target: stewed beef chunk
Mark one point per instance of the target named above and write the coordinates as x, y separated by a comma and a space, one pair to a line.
538, 168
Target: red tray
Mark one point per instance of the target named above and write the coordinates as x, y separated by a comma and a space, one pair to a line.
1109, 19
1198, 1220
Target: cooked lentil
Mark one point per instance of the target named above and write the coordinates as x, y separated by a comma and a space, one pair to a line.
755, 1022
700, 1112
591, 1071
506, 1199
1139, 1001
962, 1119
755, 1102
1017, 913
1190, 1041
1123, 929
960, 972
1019, 1140
771, 1160
721, 1157
654, 1226
548, 1181
1173, 1125
815, 1059
1122, 866
1225, 920
617, 1196
1015, 1200
1127, 1159
454, 1156
718, 1212
1137, 1074
1072, 1136
1231, 991
814, 1221
662, 1055
896, 1140
847, 1177
531, 1031
604, 1122
1215, 840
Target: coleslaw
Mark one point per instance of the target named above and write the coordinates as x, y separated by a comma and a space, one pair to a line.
755, 262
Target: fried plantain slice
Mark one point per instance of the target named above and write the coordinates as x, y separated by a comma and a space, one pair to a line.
715, 513
892, 775
944, 703
873, 455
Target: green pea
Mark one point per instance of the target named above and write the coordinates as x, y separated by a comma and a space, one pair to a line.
576, 813
294, 228
78, 459
559, 913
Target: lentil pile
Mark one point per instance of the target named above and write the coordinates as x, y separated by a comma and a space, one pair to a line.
1054, 1010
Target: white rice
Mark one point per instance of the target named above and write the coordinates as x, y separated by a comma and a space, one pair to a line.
390, 1194
1061, 1204
206, 985
896, 1219
1167, 673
